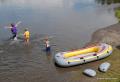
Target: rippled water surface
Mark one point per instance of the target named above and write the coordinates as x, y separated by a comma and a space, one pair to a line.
70, 23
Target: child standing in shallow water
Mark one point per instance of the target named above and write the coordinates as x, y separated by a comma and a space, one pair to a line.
26, 35
14, 31
13, 28
47, 45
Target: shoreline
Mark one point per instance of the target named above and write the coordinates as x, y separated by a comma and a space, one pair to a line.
109, 35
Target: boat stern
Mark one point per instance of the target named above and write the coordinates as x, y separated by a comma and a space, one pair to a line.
60, 60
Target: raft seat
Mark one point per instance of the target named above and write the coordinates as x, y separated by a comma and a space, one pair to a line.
84, 55
82, 52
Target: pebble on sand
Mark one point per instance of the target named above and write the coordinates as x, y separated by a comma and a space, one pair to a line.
1, 51
90, 72
104, 67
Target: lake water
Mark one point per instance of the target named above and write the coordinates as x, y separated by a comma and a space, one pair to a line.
70, 22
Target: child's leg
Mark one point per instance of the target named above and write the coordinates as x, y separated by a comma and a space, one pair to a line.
27, 39
14, 35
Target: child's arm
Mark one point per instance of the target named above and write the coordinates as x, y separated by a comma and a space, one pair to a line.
8, 27
16, 25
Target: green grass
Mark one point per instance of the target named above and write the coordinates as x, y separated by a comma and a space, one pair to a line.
117, 13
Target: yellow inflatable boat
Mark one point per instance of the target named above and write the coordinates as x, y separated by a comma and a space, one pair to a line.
84, 55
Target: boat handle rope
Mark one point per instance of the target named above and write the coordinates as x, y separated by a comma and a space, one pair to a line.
68, 62
97, 57
84, 60
81, 57
57, 56
94, 54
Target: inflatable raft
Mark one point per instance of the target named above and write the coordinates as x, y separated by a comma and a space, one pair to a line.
84, 55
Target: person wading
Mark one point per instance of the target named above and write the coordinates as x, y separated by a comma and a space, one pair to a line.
47, 45
26, 35
13, 28
13, 31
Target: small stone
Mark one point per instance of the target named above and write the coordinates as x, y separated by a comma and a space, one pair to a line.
90, 72
1, 51
104, 67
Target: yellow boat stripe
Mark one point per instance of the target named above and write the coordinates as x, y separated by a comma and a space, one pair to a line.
73, 60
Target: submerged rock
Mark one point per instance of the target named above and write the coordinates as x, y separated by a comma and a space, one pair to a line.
90, 72
104, 66
1, 51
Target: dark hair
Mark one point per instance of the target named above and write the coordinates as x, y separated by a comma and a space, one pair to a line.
12, 25
26, 29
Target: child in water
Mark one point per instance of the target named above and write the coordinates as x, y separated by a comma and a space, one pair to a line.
13, 31
26, 35
47, 45
13, 28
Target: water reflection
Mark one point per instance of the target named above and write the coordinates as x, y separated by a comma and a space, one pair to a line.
69, 19
115, 8
47, 3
